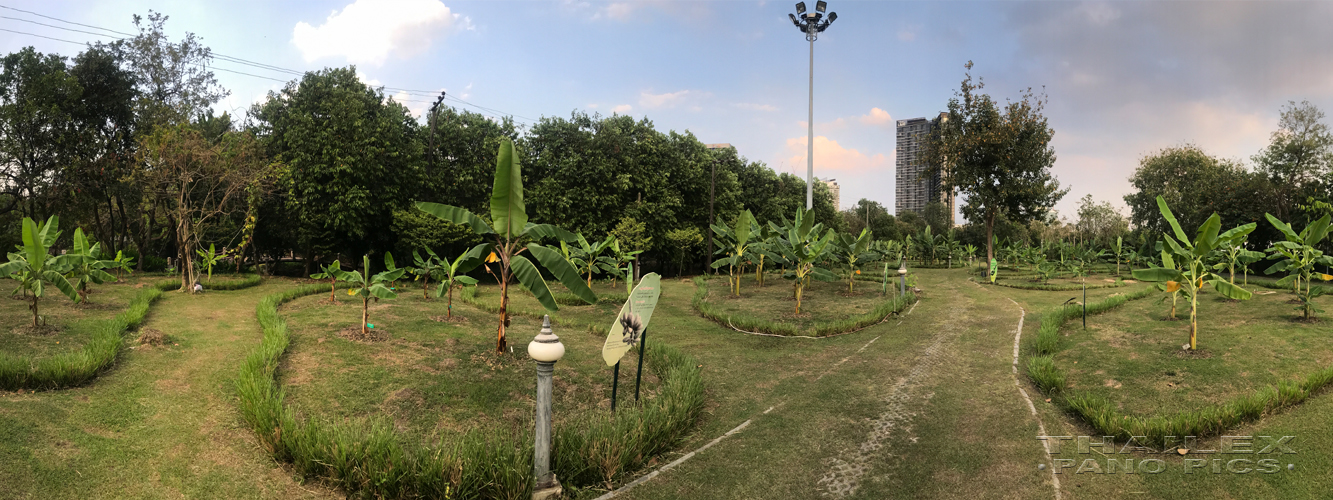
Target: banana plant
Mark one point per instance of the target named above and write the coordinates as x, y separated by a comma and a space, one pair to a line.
123, 263
1192, 258
735, 243
452, 277
1248, 257
425, 269
1231, 252
623, 267
33, 267
330, 272
1120, 251
853, 249
804, 247
209, 259
1299, 259
85, 266
513, 235
390, 265
367, 286
587, 257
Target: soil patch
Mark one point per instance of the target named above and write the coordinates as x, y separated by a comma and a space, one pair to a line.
153, 337
445, 319
37, 331
354, 334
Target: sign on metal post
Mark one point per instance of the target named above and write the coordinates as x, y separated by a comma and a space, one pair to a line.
633, 319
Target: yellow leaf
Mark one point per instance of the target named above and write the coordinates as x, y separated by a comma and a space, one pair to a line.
351, 292
1172, 286
1325, 277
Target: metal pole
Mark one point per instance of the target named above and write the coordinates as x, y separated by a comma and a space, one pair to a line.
638, 375
1085, 304
810, 143
708, 231
615, 381
541, 465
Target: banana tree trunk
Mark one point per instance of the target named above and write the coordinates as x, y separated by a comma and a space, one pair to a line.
333, 285
425, 287
1194, 320
450, 314
365, 314
798, 297
504, 310
34, 311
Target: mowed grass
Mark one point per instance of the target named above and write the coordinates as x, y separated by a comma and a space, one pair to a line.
821, 302
73, 324
436, 378
1132, 355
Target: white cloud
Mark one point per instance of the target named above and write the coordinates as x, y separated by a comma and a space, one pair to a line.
592, 106
831, 156
667, 100
877, 117
619, 11
754, 107
369, 31
416, 108
622, 109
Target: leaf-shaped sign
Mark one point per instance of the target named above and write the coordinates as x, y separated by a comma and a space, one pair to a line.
633, 319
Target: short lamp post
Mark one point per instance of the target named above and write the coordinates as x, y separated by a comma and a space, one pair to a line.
546, 349
902, 278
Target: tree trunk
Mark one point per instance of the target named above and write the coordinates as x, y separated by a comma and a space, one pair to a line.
504, 311
990, 235
451, 301
34, 311
365, 315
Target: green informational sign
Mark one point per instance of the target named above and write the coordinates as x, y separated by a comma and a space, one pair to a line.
633, 319
994, 270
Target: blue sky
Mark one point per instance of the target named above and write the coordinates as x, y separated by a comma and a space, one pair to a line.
1124, 79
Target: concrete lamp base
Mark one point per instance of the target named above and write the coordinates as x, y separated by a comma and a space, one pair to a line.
548, 491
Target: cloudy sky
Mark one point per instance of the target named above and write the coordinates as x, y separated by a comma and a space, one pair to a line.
1123, 79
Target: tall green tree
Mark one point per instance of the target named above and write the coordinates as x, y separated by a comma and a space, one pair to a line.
38, 133
1195, 185
350, 157
1299, 153
999, 160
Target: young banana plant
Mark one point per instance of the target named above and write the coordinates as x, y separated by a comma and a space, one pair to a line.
34, 267
623, 267
512, 235
123, 263
854, 249
425, 269
209, 259
367, 286
1299, 257
735, 243
805, 247
1192, 258
453, 275
330, 272
85, 266
587, 257
1232, 251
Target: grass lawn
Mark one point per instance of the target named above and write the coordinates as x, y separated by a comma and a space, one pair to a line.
1132, 355
72, 324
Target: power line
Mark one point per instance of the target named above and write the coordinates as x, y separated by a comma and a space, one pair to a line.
227, 58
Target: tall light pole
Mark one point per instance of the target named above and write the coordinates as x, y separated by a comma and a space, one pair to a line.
812, 24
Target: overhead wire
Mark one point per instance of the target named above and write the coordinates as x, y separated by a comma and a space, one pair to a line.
238, 60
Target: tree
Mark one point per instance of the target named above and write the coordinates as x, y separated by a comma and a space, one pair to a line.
38, 136
1099, 223
350, 156
881, 223
803, 247
1000, 162
1299, 153
631, 240
453, 277
510, 229
1196, 185
684, 241
197, 183
174, 82
86, 265
853, 249
209, 259
1299, 257
734, 242
331, 273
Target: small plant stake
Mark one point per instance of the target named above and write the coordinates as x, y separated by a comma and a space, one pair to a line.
638, 375
1085, 303
615, 383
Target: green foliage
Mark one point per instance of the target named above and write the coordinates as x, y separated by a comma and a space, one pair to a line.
75, 368
86, 266
734, 243
34, 267
330, 272
452, 277
1299, 257
209, 259
801, 246
683, 242
854, 249
368, 286
1192, 257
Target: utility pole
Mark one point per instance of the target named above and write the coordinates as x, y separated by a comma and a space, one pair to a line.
708, 231
430, 122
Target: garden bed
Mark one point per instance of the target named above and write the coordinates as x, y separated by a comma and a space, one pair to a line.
827, 309
1128, 375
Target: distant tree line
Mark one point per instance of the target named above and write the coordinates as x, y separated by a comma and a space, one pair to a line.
121, 141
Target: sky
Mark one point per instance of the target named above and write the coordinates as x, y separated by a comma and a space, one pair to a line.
1123, 79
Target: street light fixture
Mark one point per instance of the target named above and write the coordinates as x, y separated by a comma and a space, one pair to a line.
812, 24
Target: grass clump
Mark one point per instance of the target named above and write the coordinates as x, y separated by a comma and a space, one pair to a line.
74, 368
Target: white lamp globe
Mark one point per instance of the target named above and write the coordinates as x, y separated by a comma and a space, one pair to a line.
546, 347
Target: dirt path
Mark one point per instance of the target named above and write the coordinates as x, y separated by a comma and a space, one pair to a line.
161, 424
929, 410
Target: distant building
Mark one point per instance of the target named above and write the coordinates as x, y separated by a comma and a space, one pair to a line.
912, 192
835, 191
721, 145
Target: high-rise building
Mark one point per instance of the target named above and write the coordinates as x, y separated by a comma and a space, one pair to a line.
835, 191
913, 190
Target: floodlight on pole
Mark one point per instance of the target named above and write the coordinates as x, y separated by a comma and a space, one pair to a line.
811, 24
